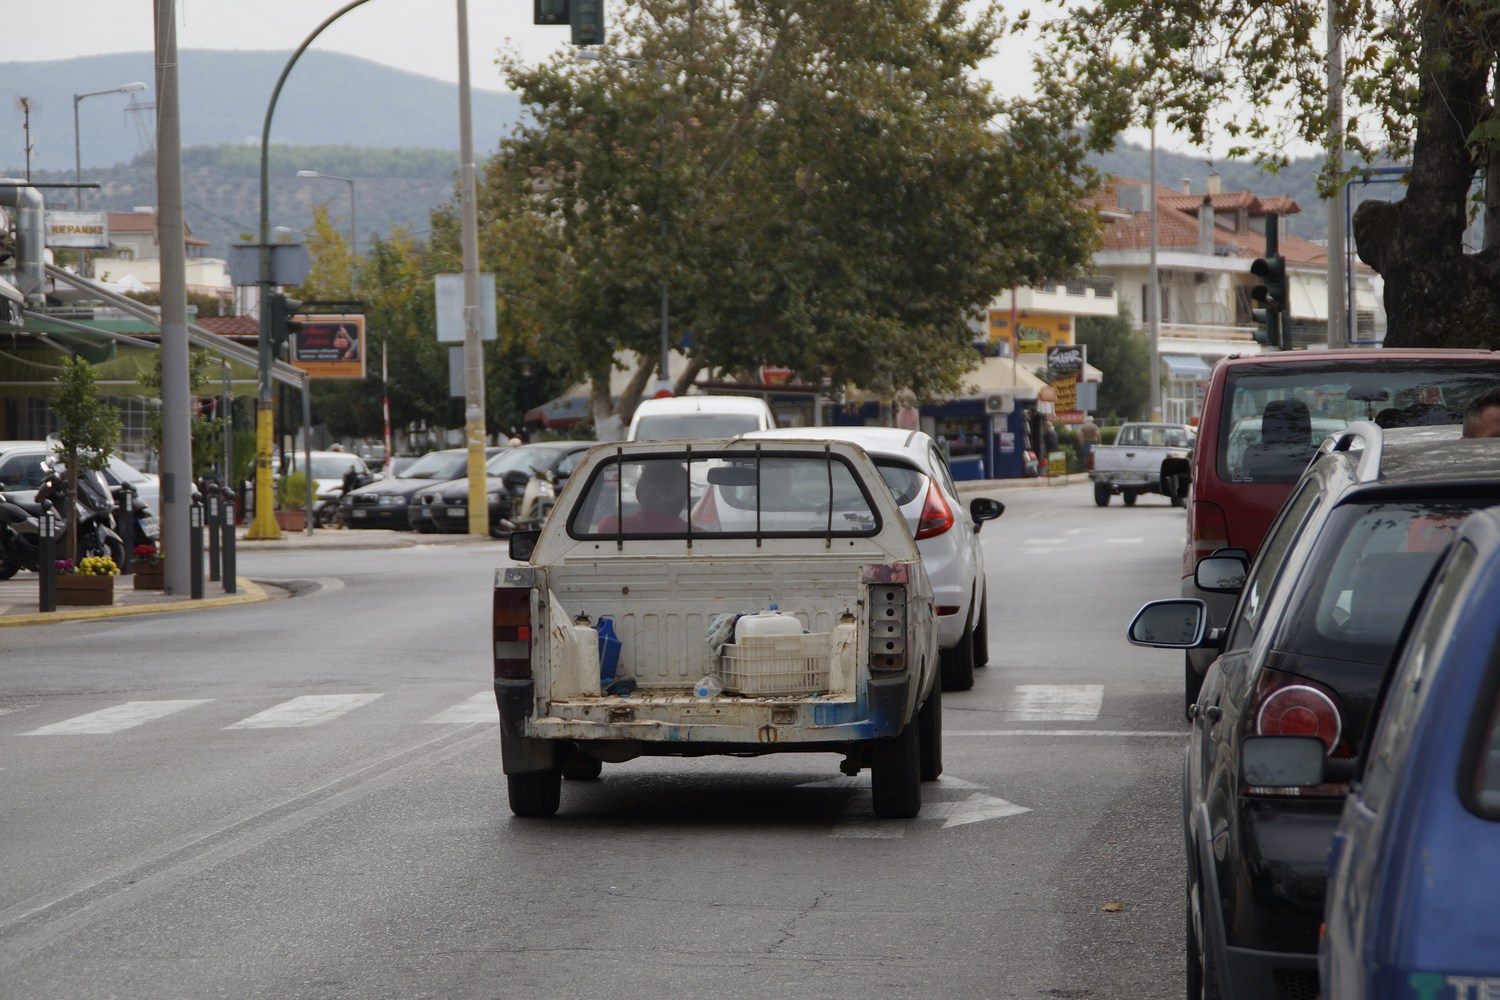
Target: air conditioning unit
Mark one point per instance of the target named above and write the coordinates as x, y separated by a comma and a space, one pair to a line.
999, 402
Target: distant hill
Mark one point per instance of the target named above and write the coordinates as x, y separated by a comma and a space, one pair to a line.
395, 133
330, 99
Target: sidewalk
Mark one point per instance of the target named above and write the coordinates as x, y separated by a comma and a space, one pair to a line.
20, 595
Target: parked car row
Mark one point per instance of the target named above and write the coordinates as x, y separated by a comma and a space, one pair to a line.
1331, 735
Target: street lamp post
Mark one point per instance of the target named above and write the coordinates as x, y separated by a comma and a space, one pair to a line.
127, 88
353, 230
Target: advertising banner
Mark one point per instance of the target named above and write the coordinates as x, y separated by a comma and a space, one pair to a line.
78, 230
1066, 365
330, 346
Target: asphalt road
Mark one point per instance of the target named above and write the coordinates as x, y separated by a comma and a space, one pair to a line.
304, 799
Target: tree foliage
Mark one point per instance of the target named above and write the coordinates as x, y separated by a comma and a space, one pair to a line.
825, 187
203, 431
88, 429
1418, 83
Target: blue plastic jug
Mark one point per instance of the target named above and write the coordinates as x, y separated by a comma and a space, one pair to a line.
609, 651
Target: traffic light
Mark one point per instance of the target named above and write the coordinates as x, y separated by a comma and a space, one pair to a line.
550, 12
1271, 296
587, 19
283, 326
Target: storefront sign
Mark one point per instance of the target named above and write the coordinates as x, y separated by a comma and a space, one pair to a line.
330, 346
78, 230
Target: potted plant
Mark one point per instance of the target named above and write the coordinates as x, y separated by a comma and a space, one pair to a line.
291, 501
149, 573
90, 581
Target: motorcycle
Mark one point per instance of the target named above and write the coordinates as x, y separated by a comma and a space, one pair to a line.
326, 512
20, 520
531, 499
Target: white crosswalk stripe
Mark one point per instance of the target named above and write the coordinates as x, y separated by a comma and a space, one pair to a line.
1054, 702
307, 710
480, 708
116, 717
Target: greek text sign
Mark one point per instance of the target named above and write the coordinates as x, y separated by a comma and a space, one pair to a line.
78, 230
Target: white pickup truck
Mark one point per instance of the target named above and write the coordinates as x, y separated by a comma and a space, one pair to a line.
658, 546
1133, 464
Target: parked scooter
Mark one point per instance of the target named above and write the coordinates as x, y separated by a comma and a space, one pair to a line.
20, 520
531, 500
21, 534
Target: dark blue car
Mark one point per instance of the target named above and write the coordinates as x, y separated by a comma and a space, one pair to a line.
1413, 910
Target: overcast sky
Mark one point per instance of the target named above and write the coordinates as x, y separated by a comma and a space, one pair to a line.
415, 35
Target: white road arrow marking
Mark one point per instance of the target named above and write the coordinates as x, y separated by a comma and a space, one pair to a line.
974, 809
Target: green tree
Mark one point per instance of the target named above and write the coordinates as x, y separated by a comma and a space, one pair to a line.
88, 429
1419, 84
1124, 356
828, 187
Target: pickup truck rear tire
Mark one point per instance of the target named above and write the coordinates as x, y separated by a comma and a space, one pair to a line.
896, 774
1101, 494
957, 664
535, 793
930, 734
1179, 501
1130, 497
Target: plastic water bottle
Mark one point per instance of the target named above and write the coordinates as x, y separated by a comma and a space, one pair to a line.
609, 651
708, 686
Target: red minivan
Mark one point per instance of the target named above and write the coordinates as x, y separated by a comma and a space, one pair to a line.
1263, 418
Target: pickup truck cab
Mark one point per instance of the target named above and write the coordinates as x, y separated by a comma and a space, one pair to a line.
623, 634
1132, 465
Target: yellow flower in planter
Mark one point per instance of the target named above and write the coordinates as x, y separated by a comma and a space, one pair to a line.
98, 566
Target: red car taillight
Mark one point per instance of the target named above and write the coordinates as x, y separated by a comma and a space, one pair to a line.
512, 632
1287, 705
937, 516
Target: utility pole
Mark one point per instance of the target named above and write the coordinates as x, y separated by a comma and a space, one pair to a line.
474, 431
177, 441
1338, 318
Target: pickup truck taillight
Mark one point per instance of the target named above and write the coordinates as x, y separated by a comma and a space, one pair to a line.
937, 516
887, 604
512, 632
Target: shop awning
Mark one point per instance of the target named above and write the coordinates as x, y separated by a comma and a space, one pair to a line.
1186, 366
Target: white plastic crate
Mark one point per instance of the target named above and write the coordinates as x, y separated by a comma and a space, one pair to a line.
777, 664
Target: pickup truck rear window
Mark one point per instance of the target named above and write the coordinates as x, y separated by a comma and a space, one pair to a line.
762, 494
1277, 415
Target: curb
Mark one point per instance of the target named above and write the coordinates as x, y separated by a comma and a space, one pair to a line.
252, 594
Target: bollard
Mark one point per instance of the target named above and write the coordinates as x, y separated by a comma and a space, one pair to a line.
125, 523
227, 545
211, 491
195, 551
46, 563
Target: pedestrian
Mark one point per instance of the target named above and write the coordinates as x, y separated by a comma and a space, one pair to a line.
1049, 436
1482, 415
1088, 436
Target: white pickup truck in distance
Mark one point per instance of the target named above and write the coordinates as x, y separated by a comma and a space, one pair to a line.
1132, 465
668, 541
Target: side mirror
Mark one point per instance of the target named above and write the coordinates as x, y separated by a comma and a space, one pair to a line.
1282, 761
1221, 574
1176, 477
523, 544
1179, 623
983, 509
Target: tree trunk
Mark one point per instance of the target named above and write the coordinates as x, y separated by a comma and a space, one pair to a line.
1436, 295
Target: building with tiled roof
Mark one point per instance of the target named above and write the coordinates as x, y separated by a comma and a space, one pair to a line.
135, 255
1206, 241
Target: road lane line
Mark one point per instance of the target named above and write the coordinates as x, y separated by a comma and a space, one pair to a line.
1124, 541
115, 718
1055, 702
480, 708
306, 710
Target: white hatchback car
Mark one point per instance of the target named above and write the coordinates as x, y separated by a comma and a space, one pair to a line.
946, 532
